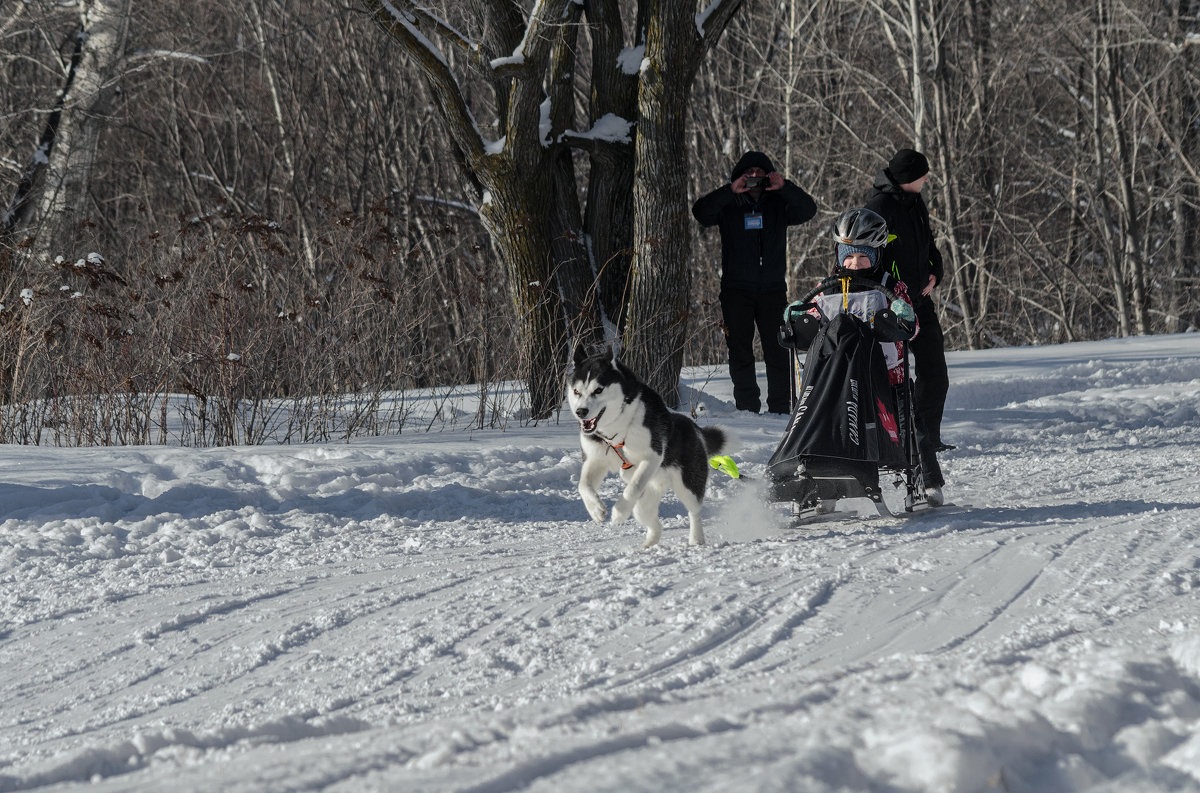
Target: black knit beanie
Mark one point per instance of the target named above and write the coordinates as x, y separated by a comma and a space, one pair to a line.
907, 166
752, 159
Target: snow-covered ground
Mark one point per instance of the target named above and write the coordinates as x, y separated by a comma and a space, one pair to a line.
435, 612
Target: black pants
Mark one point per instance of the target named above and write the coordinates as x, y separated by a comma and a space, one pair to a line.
932, 381
744, 311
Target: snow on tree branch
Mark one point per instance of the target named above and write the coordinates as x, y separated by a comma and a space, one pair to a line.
609, 128
424, 18
703, 16
545, 19
711, 22
630, 59
169, 55
402, 25
409, 21
517, 56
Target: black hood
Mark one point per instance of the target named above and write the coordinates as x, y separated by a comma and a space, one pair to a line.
752, 159
887, 184
884, 182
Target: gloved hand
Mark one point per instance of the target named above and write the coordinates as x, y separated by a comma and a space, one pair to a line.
903, 310
799, 327
794, 309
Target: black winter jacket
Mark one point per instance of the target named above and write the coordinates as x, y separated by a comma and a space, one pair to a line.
754, 259
912, 256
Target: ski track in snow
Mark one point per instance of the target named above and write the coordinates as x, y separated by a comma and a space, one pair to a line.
437, 613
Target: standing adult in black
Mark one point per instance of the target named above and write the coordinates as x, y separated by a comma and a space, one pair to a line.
753, 212
914, 258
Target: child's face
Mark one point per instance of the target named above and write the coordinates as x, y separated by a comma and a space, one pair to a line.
856, 261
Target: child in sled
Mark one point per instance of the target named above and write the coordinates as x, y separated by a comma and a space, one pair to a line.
860, 236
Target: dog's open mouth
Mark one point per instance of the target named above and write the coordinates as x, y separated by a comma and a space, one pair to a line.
589, 425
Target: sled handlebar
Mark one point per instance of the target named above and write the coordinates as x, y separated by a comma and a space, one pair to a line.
836, 281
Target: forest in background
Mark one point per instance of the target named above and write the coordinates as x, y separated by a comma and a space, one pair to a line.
274, 219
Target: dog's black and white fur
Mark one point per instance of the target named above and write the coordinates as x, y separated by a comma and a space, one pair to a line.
625, 426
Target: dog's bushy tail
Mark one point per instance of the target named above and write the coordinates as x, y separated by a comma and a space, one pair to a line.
717, 440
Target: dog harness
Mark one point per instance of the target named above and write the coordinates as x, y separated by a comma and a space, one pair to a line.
616, 447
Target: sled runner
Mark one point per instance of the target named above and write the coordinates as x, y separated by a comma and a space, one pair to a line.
849, 424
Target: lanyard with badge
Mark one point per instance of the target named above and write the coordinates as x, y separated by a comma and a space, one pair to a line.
753, 219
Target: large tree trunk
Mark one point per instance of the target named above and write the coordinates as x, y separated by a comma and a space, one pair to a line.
660, 285
515, 220
609, 227
570, 262
609, 217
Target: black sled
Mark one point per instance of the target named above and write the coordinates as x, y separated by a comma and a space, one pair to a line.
849, 425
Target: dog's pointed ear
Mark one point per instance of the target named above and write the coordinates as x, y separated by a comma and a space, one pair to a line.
580, 354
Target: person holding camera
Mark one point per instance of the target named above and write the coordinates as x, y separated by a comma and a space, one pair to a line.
753, 212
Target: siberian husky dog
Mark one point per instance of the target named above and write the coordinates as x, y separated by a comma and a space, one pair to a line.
625, 426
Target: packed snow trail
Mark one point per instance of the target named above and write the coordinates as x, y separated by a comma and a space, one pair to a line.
437, 613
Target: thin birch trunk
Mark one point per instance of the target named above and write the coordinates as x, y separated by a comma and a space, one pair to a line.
71, 154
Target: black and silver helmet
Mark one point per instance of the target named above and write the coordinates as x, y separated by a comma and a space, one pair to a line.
861, 228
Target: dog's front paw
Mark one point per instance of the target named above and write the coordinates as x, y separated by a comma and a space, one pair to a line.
591, 501
621, 511
598, 511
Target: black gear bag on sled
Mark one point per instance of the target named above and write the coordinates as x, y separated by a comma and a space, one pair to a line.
848, 421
